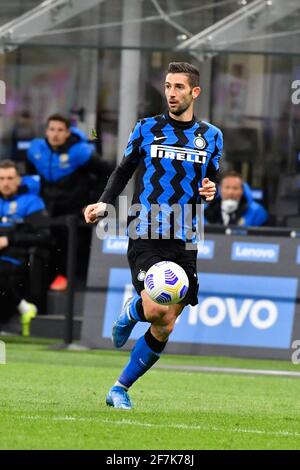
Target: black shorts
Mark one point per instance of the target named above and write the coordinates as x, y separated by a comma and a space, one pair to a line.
142, 254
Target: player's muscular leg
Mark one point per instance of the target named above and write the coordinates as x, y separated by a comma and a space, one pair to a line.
162, 317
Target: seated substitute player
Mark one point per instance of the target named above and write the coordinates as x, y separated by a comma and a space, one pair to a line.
177, 158
21, 217
66, 163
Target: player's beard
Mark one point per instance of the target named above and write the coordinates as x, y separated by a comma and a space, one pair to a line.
181, 108
179, 111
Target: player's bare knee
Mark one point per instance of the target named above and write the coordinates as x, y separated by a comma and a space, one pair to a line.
152, 310
166, 321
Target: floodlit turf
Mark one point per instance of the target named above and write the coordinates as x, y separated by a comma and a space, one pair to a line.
56, 400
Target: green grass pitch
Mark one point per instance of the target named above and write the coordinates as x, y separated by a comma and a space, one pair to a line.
56, 400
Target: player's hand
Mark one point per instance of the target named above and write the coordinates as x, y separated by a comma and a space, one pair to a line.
208, 189
3, 242
93, 211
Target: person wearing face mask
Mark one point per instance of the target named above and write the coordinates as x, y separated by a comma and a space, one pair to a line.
235, 204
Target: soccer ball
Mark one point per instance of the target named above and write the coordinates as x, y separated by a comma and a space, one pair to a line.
166, 283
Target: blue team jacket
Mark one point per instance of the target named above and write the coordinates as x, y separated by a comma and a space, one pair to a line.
18, 207
53, 165
14, 213
249, 212
64, 172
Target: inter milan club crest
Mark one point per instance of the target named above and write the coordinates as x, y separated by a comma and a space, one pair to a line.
200, 142
64, 160
12, 207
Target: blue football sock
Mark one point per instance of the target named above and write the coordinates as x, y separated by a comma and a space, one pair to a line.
136, 310
141, 359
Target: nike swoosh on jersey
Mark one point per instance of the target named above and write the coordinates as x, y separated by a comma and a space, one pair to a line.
159, 138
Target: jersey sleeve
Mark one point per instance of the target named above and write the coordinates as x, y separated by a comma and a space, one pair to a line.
214, 163
124, 171
133, 145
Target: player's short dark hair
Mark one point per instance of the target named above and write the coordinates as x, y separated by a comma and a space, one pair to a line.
61, 118
190, 70
5, 164
231, 174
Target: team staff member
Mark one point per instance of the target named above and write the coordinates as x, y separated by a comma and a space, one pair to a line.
20, 214
177, 158
65, 162
235, 206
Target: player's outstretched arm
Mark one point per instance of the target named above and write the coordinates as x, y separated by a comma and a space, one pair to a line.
93, 211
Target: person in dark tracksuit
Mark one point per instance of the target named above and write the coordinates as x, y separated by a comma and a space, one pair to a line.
20, 215
67, 164
177, 161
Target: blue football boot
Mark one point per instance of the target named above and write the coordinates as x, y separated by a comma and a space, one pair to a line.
123, 326
118, 398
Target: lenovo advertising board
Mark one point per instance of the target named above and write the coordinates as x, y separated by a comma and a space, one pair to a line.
248, 297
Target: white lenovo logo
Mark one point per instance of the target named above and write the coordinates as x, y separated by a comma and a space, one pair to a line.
255, 253
212, 311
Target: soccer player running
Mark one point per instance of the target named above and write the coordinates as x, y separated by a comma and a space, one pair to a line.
177, 160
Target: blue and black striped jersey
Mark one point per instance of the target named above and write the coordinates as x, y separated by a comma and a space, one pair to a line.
171, 157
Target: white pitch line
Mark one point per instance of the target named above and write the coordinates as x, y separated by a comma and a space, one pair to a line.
129, 422
232, 370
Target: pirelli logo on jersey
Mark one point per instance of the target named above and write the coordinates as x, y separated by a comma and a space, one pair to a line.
178, 153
